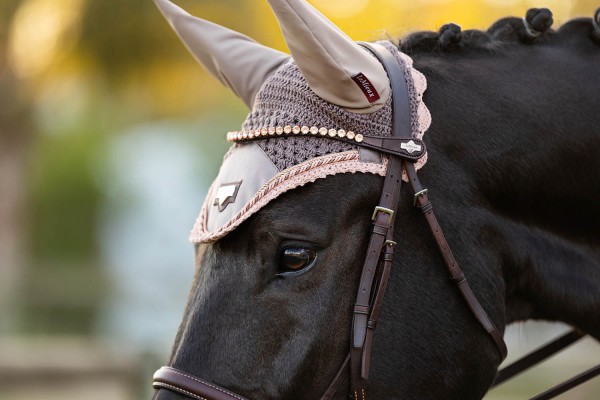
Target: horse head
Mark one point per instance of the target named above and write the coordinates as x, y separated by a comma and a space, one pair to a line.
282, 238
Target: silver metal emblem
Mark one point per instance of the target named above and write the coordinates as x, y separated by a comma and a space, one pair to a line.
411, 146
226, 195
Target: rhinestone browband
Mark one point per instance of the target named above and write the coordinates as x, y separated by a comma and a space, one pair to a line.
407, 148
237, 136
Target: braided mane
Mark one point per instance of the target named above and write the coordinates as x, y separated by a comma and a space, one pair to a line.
534, 28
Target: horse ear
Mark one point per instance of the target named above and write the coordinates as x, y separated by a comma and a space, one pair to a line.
239, 62
336, 68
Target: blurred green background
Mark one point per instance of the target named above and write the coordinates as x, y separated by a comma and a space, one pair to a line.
109, 136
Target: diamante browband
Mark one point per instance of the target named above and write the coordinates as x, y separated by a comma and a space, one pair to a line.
237, 136
409, 147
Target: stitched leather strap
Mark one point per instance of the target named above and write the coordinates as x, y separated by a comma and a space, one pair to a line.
196, 388
458, 277
337, 380
377, 301
382, 230
408, 148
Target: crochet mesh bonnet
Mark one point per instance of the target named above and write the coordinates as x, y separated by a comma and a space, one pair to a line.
295, 113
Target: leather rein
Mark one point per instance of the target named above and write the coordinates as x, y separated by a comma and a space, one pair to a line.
376, 271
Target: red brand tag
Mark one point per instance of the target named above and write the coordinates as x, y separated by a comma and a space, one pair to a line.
367, 87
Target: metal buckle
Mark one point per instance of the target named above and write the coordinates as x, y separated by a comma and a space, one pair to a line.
383, 210
421, 193
390, 243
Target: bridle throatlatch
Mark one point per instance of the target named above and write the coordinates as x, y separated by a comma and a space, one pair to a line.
378, 263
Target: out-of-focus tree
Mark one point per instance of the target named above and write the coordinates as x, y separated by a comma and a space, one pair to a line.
16, 132
85, 69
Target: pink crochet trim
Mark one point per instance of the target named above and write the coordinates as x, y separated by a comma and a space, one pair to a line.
291, 178
423, 120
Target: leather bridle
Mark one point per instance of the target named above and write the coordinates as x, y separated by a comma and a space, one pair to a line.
377, 267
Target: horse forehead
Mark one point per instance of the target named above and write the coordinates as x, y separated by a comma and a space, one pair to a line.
295, 130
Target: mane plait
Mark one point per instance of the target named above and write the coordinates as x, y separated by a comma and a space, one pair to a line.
533, 28
596, 24
536, 23
450, 36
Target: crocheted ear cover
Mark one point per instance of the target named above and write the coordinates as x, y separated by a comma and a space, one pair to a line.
255, 172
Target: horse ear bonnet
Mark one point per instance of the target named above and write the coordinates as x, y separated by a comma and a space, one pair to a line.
217, 48
331, 86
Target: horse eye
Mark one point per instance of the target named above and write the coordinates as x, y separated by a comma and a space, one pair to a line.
295, 260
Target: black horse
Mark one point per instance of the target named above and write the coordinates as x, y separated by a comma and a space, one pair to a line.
514, 172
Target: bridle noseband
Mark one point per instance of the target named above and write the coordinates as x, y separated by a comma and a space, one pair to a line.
196, 388
376, 268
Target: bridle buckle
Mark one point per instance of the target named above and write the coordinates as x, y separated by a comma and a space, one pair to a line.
419, 194
387, 211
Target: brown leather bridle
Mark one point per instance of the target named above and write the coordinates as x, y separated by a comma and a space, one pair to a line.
376, 271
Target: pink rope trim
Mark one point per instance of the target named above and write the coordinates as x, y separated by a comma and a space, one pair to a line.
291, 178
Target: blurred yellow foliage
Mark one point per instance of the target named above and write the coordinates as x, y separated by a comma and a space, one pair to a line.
43, 33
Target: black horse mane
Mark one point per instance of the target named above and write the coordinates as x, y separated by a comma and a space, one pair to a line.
534, 28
